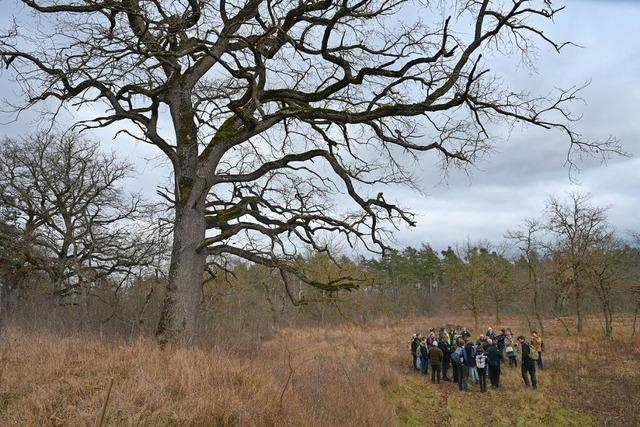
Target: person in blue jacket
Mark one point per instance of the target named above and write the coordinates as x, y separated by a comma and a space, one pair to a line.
423, 353
457, 359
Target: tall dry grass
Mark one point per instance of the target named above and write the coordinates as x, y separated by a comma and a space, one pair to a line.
63, 380
51, 380
347, 375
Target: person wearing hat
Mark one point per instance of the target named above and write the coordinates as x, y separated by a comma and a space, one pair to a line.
435, 359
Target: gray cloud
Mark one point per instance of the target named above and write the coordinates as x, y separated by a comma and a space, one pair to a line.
515, 181
518, 178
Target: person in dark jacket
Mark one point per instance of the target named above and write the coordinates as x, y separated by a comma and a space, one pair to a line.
490, 334
446, 358
528, 366
435, 359
454, 362
423, 353
500, 340
482, 342
457, 359
494, 357
465, 334
470, 361
415, 343
481, 367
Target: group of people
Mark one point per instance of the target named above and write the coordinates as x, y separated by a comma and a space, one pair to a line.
473, 361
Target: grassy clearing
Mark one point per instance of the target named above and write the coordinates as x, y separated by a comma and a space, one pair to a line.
351, 375
420, 403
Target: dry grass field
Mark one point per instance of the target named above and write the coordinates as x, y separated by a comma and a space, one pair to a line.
357, 375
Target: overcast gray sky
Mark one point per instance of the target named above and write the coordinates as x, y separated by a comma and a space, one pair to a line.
515, 181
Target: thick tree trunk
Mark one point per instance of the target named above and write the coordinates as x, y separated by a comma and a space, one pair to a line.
186, 271
184, 288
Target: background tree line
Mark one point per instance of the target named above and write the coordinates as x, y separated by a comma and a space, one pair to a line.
280, 122
77, 251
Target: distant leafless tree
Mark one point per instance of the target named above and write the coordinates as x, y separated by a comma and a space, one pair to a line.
71, 221
499, 272
526, 240
277, 106
465, 274
607, 271
578, 227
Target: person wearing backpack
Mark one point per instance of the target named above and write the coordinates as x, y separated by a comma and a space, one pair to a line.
435, 359
457, 358
454, 363
423, 353
481, 367
510, 349
494, 358
528, 364
538, 344
443, 345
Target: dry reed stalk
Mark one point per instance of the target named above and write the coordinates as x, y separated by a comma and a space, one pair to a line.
106, 402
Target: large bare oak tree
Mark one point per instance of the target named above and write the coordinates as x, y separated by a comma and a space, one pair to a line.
267, 109
67, 218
